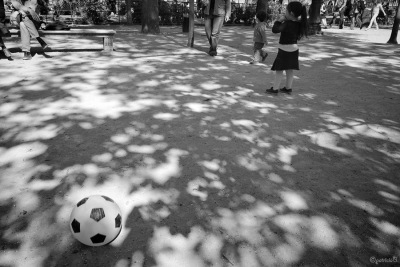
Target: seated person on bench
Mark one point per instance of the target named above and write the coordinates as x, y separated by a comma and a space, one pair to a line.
27, 25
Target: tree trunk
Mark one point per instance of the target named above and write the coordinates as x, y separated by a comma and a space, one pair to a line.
395, 28
262, 5
150, 20
129, 20
314, 20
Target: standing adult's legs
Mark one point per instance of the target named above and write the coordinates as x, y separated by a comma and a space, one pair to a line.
333, 19
341, 20
208, 22
358, 19
4, 31
352, 22
2, 12
217, 23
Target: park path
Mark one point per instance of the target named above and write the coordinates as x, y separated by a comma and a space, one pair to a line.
207, 169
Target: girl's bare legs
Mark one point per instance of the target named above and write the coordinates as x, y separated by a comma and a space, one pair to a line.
373, 20
278, 78
289, 78
376, 23
324, 23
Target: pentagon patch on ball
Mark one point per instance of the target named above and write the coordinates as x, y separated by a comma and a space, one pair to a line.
96, 220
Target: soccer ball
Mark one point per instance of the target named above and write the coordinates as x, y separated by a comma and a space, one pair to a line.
96, 220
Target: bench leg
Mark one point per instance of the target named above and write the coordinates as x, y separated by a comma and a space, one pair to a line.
108, 44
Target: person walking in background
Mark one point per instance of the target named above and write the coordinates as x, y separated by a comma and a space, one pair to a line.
27, 26
260, 38
216, 12
349, 12
4, 32
338, 11
292, 29
322, 13
376, 6
359, 16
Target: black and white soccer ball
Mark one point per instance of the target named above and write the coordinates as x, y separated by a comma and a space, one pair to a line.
96, 220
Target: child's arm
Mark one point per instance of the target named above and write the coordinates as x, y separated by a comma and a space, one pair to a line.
279, 25
381, 8
264, 34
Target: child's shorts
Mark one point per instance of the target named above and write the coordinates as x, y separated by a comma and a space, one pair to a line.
286, 60
258, 46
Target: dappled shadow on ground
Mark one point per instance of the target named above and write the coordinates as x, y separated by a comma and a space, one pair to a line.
207, 169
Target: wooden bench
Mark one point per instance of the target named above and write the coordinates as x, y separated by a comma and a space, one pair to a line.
107, 35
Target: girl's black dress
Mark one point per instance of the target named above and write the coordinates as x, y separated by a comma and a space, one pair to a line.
289, 35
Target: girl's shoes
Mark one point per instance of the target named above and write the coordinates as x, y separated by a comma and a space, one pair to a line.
283, 90
271, 91
287, 91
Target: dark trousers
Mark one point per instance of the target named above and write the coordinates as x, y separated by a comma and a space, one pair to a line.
2, 12
2, 22
341, 18
213, 25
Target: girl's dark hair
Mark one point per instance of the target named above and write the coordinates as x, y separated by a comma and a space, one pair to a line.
299, 10
261, 15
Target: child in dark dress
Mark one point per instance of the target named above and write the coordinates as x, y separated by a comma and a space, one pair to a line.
291, 29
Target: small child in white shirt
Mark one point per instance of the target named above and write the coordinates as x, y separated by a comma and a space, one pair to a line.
260, 38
